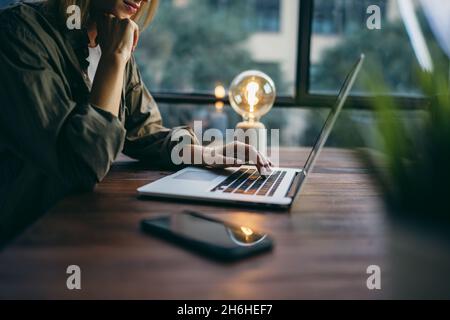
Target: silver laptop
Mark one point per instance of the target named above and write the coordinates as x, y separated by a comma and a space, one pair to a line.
244, 185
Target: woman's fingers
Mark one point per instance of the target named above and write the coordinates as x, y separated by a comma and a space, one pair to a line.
136, 35
237, 154
263, 165
106, 21
248, 153
118, 37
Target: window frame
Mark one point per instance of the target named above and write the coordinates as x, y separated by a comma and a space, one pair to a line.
302, 97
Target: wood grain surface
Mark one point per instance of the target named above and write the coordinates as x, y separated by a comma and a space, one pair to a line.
323, 245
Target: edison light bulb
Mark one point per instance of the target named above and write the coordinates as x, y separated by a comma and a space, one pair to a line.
252, 95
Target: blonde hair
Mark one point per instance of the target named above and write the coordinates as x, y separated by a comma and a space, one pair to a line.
143, 17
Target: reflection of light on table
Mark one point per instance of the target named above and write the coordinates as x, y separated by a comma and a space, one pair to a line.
247, 231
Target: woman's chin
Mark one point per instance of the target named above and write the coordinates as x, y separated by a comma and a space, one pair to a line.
121, 14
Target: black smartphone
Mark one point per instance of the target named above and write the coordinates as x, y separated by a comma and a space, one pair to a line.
210, 237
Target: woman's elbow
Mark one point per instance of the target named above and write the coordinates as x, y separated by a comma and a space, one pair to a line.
84, 184
83, 180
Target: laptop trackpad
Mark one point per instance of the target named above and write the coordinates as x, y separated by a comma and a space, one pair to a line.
193, 175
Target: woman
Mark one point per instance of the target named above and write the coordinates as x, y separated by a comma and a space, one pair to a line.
72, 100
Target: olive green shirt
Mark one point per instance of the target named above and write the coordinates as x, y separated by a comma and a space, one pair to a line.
53, 142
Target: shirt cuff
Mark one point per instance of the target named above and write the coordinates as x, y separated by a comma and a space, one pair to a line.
98, 137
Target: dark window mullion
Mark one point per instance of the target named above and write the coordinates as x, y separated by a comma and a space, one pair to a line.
304, 49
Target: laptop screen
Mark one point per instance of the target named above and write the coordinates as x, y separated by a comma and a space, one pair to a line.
334, 114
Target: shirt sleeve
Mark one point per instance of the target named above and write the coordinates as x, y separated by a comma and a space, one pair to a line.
41, 121
147, 139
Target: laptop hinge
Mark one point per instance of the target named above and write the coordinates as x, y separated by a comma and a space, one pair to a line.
295, 185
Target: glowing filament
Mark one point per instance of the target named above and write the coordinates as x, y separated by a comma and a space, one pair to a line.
251, 95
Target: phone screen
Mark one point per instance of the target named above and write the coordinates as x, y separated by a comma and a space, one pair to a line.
209, 231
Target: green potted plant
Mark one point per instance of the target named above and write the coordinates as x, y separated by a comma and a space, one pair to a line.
413, 173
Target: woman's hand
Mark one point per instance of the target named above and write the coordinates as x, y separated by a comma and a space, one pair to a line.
231, 155
117, 37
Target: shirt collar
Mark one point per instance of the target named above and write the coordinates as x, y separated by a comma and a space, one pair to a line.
79, 40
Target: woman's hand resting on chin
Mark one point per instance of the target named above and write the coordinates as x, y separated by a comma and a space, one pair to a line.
117, 37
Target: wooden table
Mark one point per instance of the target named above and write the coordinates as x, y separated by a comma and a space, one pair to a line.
324, 245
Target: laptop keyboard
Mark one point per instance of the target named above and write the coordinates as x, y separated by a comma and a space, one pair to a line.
250, 182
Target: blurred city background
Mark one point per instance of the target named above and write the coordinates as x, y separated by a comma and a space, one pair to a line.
193, 46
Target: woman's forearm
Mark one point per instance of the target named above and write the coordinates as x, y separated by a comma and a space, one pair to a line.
108, 83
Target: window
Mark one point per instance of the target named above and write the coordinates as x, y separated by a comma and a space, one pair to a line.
340, 34
306, 46
338, 17
267, 15
263, 15
194, 45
